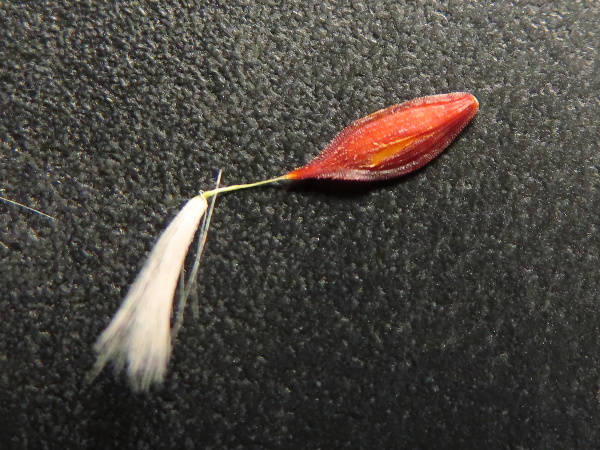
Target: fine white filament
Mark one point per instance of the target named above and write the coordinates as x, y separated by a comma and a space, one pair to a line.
12, 202
139, 335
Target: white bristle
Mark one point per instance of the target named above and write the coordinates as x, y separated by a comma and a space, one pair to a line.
139, 335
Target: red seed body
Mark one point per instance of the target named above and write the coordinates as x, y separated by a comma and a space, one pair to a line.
393, 141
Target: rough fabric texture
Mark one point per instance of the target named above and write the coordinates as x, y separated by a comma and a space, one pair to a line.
455, 307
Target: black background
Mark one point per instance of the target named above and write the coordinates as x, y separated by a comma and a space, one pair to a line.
454, 307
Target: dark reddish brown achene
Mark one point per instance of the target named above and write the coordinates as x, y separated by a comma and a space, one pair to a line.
393, 141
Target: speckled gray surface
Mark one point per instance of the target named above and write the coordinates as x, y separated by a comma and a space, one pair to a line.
456, 307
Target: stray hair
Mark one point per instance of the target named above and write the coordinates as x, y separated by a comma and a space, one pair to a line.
12, 202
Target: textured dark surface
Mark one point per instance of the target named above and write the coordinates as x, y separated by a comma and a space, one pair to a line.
456, 307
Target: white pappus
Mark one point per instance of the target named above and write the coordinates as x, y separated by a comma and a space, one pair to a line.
139, 335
